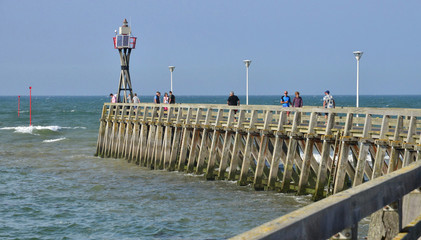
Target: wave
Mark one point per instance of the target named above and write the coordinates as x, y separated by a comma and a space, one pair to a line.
31, 129
73, 127
53, 140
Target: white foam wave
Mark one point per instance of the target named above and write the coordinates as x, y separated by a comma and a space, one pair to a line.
53, 140
30, 129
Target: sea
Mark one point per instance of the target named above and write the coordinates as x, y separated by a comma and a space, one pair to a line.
53, 187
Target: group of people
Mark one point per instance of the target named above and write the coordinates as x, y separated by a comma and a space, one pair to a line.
233, 100
129, 98
157, 98
328, 101
170, 99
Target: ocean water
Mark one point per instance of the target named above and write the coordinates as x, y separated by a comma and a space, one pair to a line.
52, 187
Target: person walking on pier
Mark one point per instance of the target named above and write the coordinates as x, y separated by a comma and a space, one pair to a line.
157, 97
136, 98
328, 101
129, 98
297, 101
172, 98
112, 98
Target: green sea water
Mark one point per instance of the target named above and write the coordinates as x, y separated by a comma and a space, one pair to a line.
52, 187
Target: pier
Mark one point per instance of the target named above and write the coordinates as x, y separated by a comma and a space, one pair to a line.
309, 150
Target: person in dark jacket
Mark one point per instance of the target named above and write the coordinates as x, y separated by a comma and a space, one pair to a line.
233, 100
172, 98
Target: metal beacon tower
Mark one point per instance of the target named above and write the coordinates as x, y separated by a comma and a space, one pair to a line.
124, 42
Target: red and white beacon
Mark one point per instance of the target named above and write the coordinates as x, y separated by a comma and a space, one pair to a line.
124, 42
124, 38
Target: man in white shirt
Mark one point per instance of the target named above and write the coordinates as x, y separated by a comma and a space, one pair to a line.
328, 101
136, 99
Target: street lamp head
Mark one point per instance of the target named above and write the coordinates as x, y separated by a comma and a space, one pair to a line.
358, 55
171, 68
247, 62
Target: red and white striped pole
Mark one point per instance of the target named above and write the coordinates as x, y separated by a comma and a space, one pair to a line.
18, 105
30, 106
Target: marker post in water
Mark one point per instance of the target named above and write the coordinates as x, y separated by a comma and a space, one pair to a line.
18, 105
30, 106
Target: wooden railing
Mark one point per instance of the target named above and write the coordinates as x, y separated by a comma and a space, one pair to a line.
325, 218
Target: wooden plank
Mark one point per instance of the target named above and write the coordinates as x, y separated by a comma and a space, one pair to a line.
409, 139
247, 158
150, 146
325, 156
195, 141
308, 154
127, 135
101, 132
176, 141
292, 151
185, 142
167, 139
157, 146
140, 153
261, 160
107, 132
209, 175
227, 146
235, 158
204, 145
134, 142
381, 148
362, 156
394, 153
277, 151
343, 157
114, 132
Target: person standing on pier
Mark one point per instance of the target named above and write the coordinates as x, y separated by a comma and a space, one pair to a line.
172, 98
157, 97
166, 100
286, 101
297, 101
328, 101
112, 98
136, 98
129, 98
233, 100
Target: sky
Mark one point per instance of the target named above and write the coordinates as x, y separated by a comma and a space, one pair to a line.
65, 47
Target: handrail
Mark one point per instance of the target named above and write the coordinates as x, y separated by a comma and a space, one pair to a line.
360, 110
326, 217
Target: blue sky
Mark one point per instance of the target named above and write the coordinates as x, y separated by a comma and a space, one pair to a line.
65, 47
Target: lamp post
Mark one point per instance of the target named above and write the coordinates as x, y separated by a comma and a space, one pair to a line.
358, 55
247, 62
171, 70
